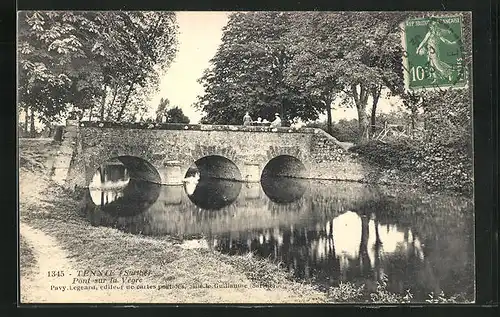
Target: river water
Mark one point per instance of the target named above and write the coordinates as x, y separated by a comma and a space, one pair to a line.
325, 232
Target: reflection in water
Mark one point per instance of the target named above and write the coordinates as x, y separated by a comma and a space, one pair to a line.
348, 247
108, 183
135, 198
252, 191
348, 232
328, 232
190, 183
213, 194
112, 191
283, 190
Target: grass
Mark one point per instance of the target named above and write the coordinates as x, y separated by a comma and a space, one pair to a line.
346, 293
99, 247
53, 210
27, 258
35, 153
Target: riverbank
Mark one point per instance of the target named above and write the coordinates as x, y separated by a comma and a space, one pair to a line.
435, 167
55, 238
49, 211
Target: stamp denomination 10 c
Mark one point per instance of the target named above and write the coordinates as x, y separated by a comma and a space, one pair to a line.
433, 56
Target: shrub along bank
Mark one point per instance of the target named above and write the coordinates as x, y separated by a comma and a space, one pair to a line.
436, 166
47, 207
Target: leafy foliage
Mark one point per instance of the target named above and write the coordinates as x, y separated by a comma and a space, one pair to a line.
382, 295
438, 166
161, 109
345, 292
175, 115
344, 130
89, 58
248, 73
447, 116
170, 115
349, 293
349, 55
442, 299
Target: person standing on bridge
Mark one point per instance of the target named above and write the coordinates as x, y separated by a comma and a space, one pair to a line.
277, 121
247, 120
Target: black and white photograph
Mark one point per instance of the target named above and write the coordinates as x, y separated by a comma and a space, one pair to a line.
269, 157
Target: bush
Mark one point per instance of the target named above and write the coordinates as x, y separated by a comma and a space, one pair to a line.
344, 130
400, 155
345, 292
447, 166
382, 295
448, 116
437, 165
442, 299
349, 292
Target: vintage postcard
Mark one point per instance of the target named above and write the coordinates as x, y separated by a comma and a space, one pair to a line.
245, 157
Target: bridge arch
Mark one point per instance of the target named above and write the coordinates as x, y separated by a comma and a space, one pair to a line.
215, 166
132, 167
284, 166
124, 186
213, 182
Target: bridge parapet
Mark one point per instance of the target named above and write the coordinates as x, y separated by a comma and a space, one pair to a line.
195, 127
233, 152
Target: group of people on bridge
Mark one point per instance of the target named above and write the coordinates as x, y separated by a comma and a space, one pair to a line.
247, 120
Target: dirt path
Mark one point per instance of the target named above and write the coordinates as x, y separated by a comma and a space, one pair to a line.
38, 287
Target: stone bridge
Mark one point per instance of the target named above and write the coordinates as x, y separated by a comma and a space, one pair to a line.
164, 153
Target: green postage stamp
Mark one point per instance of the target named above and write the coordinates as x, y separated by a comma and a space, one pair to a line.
433, 56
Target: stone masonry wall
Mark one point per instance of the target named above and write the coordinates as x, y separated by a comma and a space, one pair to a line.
62, 161
186, 144
332, 161
323, 156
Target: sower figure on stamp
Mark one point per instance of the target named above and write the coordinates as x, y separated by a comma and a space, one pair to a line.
247, 120
429, 46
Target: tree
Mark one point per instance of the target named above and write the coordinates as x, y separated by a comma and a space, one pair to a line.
413, 102
146, 44
90, 58
56, 63
247, 73
355, 53
381, 59
313, 67
176, 115
161, 109
375, 94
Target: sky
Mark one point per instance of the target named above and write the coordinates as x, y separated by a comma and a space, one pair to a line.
200, 34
